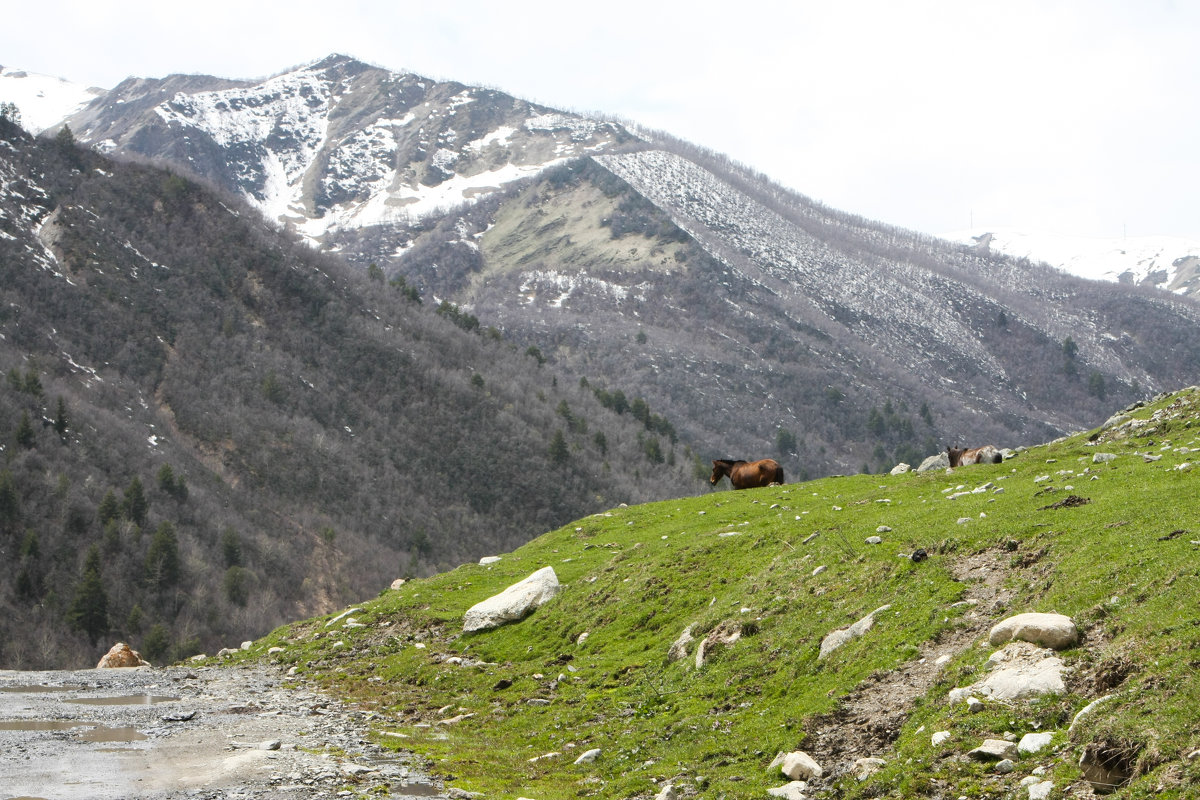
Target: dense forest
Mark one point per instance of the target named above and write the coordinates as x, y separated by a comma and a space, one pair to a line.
207, 428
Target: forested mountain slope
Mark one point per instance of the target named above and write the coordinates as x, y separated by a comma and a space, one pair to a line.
758, 321
207, 428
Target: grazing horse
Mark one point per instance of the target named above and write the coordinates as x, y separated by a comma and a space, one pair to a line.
747, 474
960, 456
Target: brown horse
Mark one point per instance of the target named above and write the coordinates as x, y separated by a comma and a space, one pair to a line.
747, 474
960, 456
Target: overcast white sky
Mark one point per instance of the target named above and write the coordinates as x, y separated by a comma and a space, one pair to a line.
1076, 117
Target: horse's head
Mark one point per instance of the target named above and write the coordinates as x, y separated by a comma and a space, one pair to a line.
720, 470
955, 454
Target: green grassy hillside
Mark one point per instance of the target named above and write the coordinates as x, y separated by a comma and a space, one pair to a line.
1113, 544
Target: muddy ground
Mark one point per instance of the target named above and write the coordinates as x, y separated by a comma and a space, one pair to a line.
201, 733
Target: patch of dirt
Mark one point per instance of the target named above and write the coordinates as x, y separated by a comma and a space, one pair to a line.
869, 719
1070, 501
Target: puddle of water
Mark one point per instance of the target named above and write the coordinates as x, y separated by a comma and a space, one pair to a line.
126, 700
37, 687
103, 734
44, 725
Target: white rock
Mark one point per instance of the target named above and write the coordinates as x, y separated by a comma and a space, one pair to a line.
799, 766
1103, 458
1004, 767
1041, 790
836, 639
900, 469
247, 645
1056, 631
975, 705
819, 570
939, 737
514, 603
874, 540
589, 756
396, 584
343, 615
668, 793
483, 562
1088, 709
790, 791
679, 648
1034, 743
583, 637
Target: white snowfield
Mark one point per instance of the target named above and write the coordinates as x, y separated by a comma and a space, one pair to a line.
1166, 262
43, 101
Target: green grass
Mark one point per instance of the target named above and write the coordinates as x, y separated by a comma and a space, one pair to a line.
636, 577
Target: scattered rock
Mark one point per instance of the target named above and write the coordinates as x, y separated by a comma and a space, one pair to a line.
514, 603
668, 793
939, 737
269, 744
874, 540
1032, 743
800, 766
1028, 671
836, 639
679, 649
939, 461
483, 562
1005, 766
995, 750
121, 655
790, 791
589, 756
396, 584
1055, 631
1103, 458
900, 469
1088, 709
975, 705
724, 635
1040, 790
343, 615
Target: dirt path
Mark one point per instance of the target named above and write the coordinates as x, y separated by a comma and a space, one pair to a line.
175, 732
869, 719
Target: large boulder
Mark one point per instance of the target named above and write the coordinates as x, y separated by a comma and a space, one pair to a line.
514, 603
1019, 671
1056, 631
939, 461
121, 655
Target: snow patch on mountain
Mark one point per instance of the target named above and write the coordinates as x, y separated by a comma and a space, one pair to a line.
1162, 261
43, 101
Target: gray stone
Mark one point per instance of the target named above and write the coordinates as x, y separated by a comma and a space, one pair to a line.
939, 461
1103, 458
900, 469
836, 639
1056, 631
790, 791
668, 793
800, 766
995, 750
1040, 790
874, 540
679, 648
514, 603
939, 737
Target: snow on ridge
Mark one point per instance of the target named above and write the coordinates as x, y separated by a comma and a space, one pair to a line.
1137, 259
43, 101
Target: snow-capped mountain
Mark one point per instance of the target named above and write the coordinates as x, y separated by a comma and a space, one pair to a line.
43, 101
1164, 262
742, 310
340, 145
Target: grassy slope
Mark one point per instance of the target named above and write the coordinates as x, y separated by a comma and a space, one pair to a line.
1123, 565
